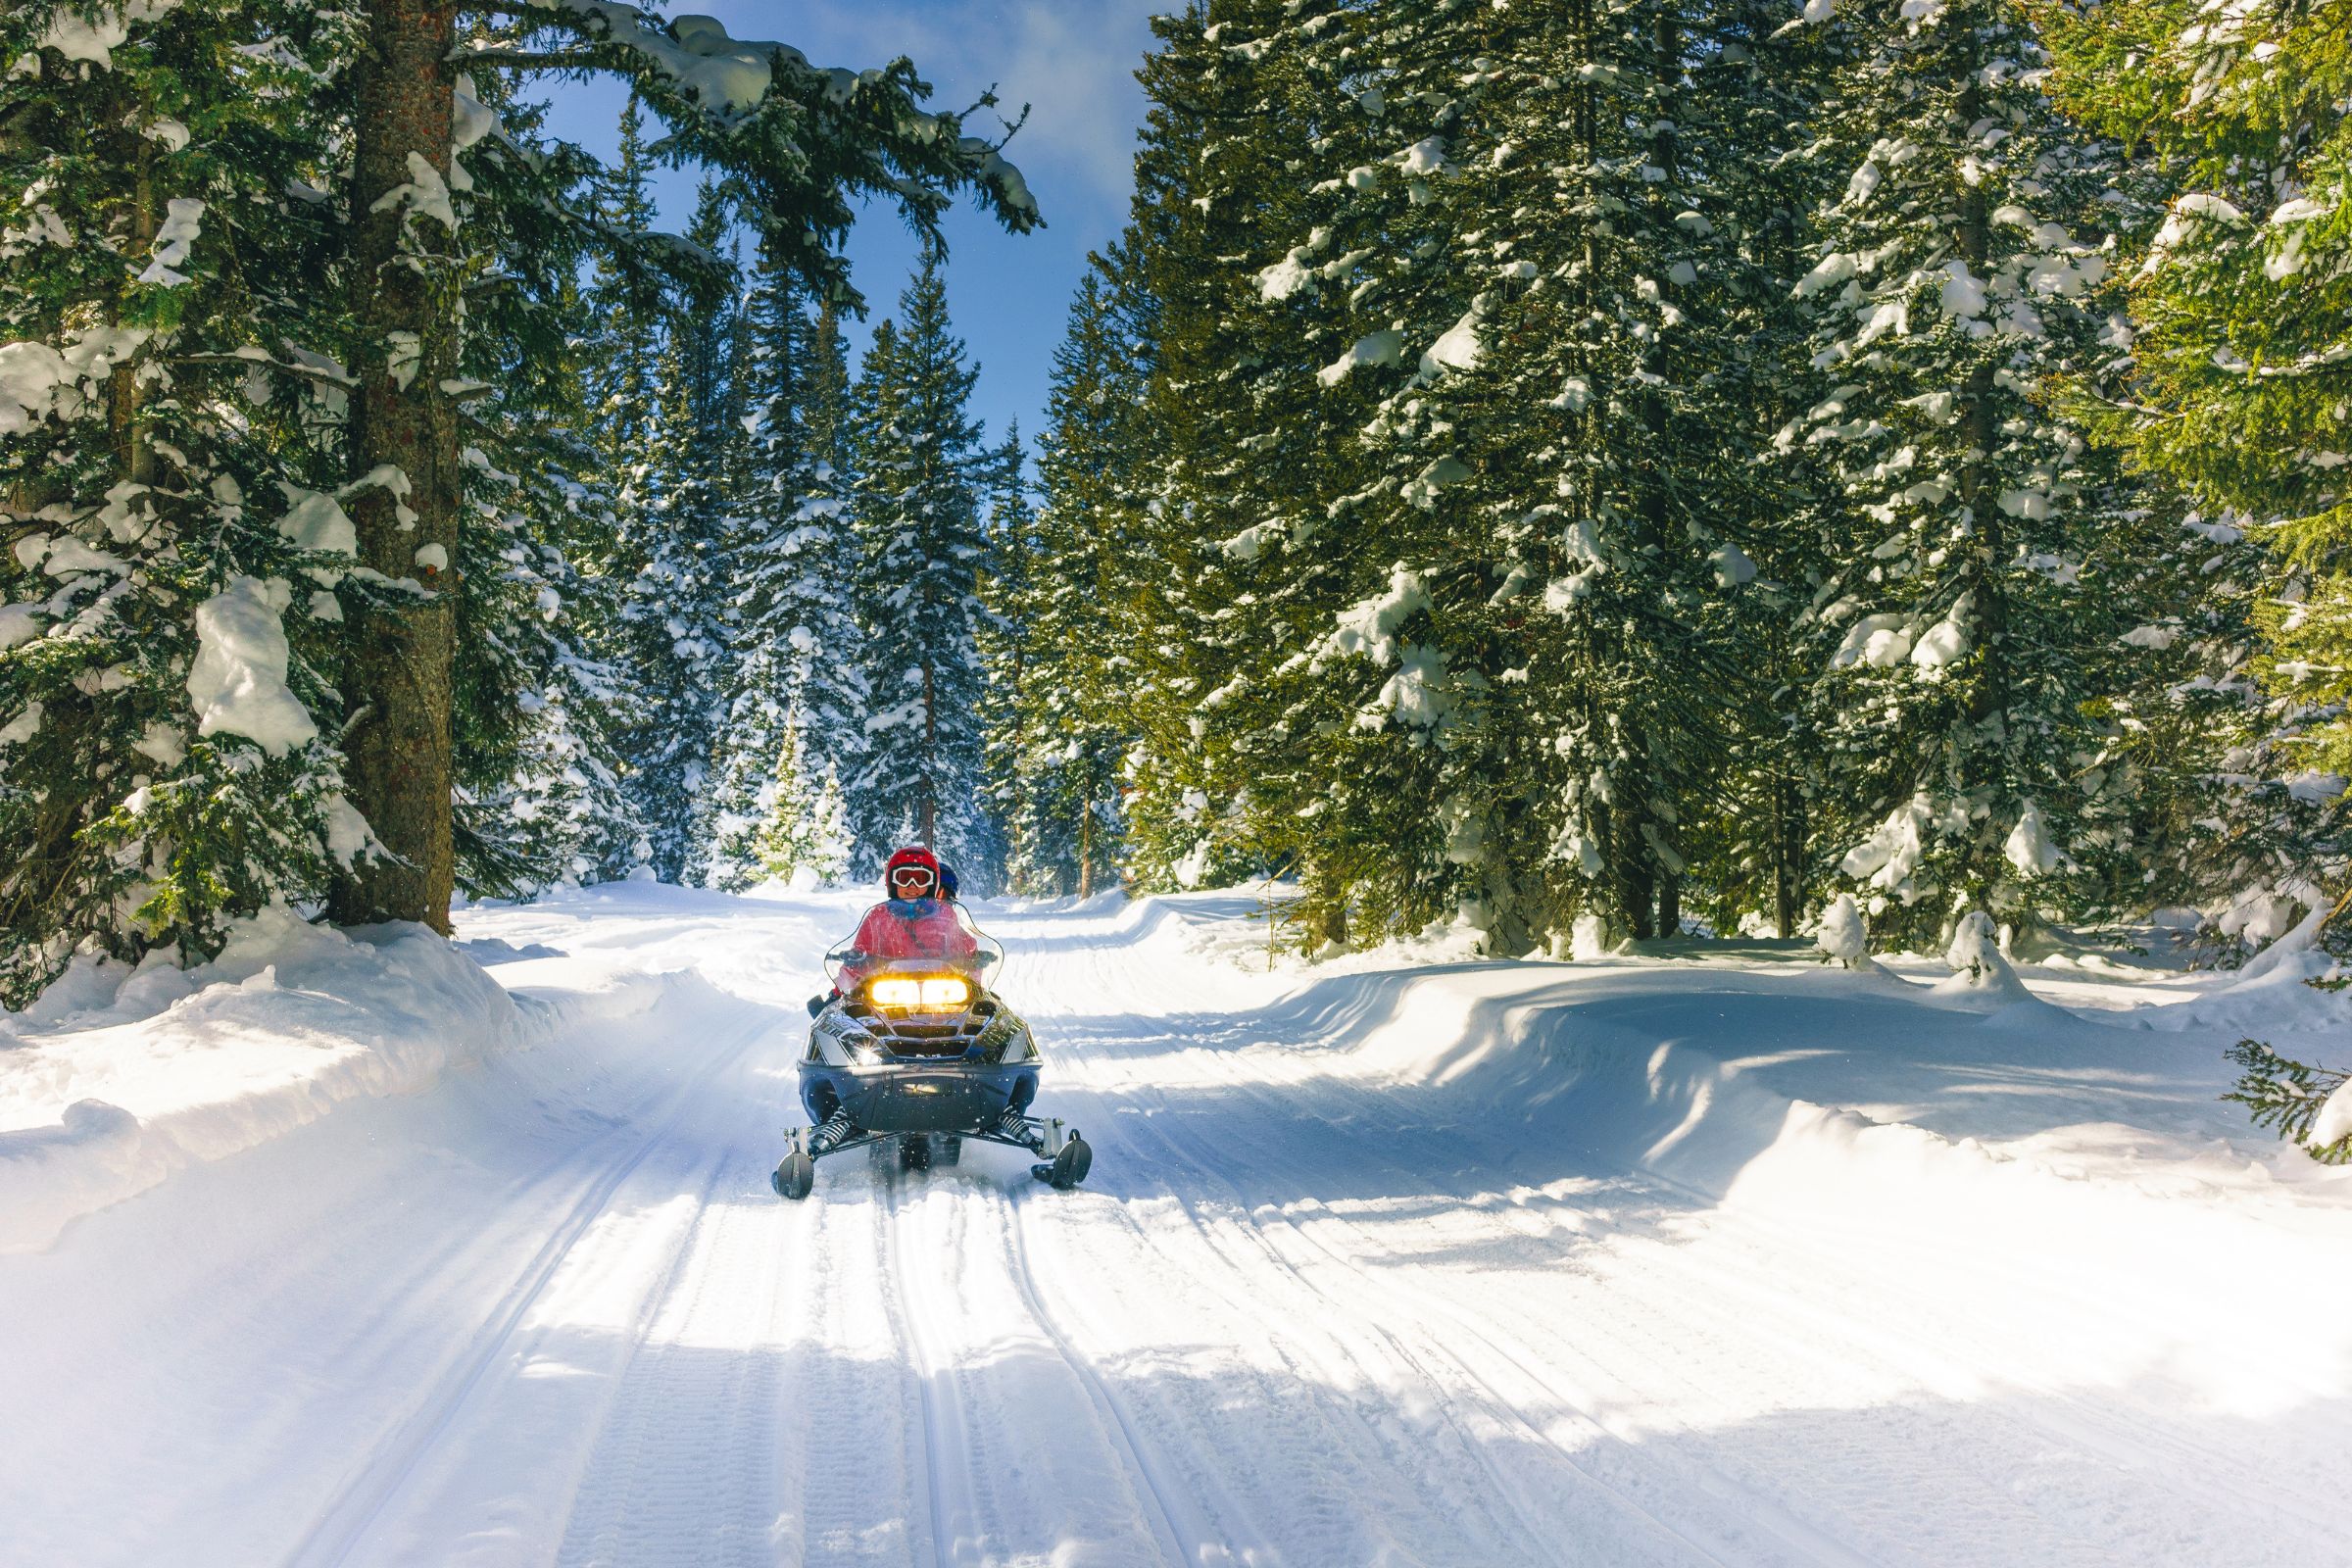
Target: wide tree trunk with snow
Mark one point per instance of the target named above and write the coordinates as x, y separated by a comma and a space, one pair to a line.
403, 435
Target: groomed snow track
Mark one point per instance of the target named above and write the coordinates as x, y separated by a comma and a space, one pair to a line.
1311, 1310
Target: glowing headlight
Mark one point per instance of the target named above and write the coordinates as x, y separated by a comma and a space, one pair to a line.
939, 994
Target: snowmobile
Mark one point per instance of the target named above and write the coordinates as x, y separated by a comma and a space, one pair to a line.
920, 1054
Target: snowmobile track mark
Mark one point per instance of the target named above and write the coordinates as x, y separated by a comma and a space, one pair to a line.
930, 1369
1191, 1545
343, 1523
2073, 1425
1497, 1405
1761, 1509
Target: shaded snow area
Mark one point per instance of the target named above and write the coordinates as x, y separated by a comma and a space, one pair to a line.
375, 1252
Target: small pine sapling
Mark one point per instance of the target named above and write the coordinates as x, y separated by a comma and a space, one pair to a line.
2306, 1103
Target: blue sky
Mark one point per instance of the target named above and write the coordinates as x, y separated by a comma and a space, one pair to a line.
1073, 61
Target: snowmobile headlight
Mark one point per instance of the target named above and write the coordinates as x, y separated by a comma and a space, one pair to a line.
898, 992
936, 994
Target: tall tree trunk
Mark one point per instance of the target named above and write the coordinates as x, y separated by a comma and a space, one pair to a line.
398, 681
1988, 705
1788, 856
1086, 851
1670, 903
1637, 890
928, 803
134, 459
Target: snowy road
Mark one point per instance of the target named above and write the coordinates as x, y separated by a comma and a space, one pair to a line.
1381, 1269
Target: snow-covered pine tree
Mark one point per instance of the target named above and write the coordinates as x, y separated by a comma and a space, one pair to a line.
922, 546
622, 336
1626, 521
1488, 335
1065, 727
2234, 382
1011, 655
676, 610
1211, 185
1985, 557
802, 838
536, 713
2236, 388
797, 685
1753, 836
170, 467
1009, 513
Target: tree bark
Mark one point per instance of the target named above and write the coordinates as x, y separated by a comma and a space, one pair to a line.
1788, 856
928, 804
1637, 893
397, 684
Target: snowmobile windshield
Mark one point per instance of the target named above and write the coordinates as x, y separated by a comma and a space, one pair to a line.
922, 936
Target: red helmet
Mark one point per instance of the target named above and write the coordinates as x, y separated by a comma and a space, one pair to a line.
915, 857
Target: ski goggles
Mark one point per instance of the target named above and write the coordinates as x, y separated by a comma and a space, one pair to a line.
911, 876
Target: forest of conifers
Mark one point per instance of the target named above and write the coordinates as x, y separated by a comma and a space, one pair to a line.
1660, 466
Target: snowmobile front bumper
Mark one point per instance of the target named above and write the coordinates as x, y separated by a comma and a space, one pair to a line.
942, 1096
1045, 1137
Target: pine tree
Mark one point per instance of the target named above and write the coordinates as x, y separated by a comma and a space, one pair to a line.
537, 716
802, 836
1986, 556
2232, 378
798, 665
923, 547
626, 307
1755, 834
1065, 681
1010, 648
676, 600
170, 479
1223, 468
2233, 388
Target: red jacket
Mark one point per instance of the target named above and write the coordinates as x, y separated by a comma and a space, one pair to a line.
929, 930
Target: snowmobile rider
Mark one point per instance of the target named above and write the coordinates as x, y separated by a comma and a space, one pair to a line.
915, 923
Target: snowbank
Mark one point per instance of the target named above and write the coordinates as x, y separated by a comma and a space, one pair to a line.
116, 1077
1961, 1099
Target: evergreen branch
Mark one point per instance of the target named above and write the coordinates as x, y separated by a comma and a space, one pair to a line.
530, 60
2286, 1096
314, 372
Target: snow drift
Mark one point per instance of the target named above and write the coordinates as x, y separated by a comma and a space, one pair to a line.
116, 1077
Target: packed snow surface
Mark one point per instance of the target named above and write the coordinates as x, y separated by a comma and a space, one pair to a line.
1711, 1254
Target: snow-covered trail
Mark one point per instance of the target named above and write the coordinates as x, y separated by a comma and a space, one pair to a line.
1354, 1283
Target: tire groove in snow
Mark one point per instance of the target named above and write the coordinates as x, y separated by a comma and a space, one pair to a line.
1192, 1542
1331, 1308
1497, 1407
1500, 1406
1928, 1362
1793, 1531
641, 1505
344, 1522
949, 1515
